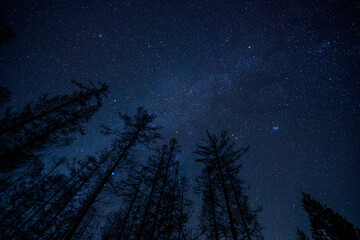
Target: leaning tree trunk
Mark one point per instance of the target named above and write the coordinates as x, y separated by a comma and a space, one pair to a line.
226, 196
130, 209
54, 109
71, 231
144, 218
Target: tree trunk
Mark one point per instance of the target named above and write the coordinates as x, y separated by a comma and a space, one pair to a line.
130, 208
86, 207
212, 203
150, 197
42, 206
161, 194
223, 185
238, 205
61, 208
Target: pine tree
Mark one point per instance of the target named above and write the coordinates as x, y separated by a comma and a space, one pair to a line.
209, 218
120, 224
155, 202
326, 224
137, 130
226, 209
158, 169
49, 203
45, 123
182, 211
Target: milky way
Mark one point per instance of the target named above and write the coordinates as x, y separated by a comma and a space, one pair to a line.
280, 76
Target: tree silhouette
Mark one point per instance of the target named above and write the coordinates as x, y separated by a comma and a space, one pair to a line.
137, 130
225, 208
155, 202
45, 207
158, 169
45, 123
325, 223
120, 224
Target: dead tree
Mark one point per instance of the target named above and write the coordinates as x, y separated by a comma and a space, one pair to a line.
137, 130
45, 123
222, 166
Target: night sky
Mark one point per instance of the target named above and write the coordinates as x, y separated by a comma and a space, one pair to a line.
282, 76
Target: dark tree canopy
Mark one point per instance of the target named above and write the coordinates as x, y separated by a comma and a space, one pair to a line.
327, 224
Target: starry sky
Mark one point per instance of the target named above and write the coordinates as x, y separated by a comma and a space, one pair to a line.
282, 76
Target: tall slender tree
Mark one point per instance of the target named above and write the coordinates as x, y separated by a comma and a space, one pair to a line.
119, 225
159, 208
157, 167
220, 180
165, 179
209, 218
45, 123
139, 129
44, 206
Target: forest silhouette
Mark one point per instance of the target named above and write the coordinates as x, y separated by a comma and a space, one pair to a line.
64, 198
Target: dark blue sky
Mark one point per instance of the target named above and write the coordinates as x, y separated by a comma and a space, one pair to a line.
282, 76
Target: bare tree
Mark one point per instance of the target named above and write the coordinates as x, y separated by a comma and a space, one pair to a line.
137, 130
45, 123
220, 180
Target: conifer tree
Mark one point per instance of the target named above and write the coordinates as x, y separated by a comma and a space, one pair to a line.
45, 123
155, 201
226, 208
119, 225
158, 168
48, 204
326, 224
139, 129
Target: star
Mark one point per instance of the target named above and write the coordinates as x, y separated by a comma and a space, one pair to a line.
275, 128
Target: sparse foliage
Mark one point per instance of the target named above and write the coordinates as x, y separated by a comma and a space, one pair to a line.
48, 122
226, 209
